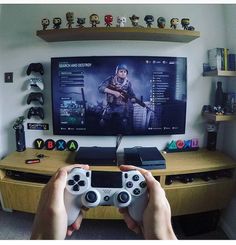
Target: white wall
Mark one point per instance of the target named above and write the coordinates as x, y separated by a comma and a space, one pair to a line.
20, 46
229, 218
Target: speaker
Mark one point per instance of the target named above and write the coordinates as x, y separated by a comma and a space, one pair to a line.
20, 138
211, 141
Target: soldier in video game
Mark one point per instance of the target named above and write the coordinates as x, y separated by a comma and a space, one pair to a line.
120, 98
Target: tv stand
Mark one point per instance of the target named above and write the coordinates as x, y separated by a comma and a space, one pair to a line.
194, 182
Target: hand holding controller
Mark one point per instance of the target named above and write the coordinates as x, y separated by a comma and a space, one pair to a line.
93, 188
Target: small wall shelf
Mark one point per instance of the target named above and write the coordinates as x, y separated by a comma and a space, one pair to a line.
219, 118
219, 73
117, 33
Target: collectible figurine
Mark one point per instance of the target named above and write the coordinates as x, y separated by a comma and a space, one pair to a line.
94, 20
121, 20
174, 22
108, 20
45, 23
134, 20
185, 23
56, 22
80, 22
149, 19
161, 22
70, 19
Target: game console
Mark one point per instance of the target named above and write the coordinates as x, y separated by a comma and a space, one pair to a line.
35, 82
90, 189
144, 157
35, 97
96, 156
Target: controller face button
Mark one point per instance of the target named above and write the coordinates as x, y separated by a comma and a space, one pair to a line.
136, 191
135, 177
143, 184
71, 182
87, 174
129, 184
123, 197
91, 197
126, 175
75, 188
106, 198
81, 183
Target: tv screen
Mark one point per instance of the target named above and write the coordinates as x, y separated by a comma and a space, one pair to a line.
119, 95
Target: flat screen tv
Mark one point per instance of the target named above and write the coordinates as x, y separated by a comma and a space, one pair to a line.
119, 95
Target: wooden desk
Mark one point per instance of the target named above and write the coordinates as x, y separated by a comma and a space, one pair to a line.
194, 197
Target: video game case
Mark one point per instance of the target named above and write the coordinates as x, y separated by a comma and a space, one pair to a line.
232, 62
218, 58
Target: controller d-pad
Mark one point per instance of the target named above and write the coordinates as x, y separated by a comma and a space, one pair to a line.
135, 177
81, 183
136, 191
75, 188
71, 182
76, 177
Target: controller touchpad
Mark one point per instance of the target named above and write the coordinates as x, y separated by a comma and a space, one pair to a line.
106, 179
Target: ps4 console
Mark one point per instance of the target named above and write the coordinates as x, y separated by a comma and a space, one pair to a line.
144, 157
97, 156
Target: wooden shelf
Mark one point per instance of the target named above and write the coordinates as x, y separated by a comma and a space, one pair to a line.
219, 118
219, 73
117, 33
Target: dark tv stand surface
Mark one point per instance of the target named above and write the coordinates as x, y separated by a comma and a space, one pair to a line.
184, 198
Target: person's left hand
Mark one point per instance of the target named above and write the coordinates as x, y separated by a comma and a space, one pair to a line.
51, 218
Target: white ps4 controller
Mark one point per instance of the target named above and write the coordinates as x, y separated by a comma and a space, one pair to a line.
104, 188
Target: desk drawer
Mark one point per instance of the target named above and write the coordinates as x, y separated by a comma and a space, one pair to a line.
20, 195
187, 199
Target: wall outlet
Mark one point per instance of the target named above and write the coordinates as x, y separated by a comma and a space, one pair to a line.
8, 77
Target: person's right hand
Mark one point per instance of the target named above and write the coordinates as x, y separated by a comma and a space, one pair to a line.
157, 215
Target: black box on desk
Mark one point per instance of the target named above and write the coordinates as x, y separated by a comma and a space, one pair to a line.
96, 156
144, 157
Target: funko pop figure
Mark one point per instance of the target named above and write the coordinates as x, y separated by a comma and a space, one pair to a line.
134, 20
149, 19
174, 22
108, 20
94, 20
185, 22
121, 20
161, 22
70, 19
56, 22
45, 23
80, 22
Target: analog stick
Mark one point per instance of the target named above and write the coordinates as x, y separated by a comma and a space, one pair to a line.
91, 197
123, 197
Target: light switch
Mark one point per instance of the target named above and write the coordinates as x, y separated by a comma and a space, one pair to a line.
8, 77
